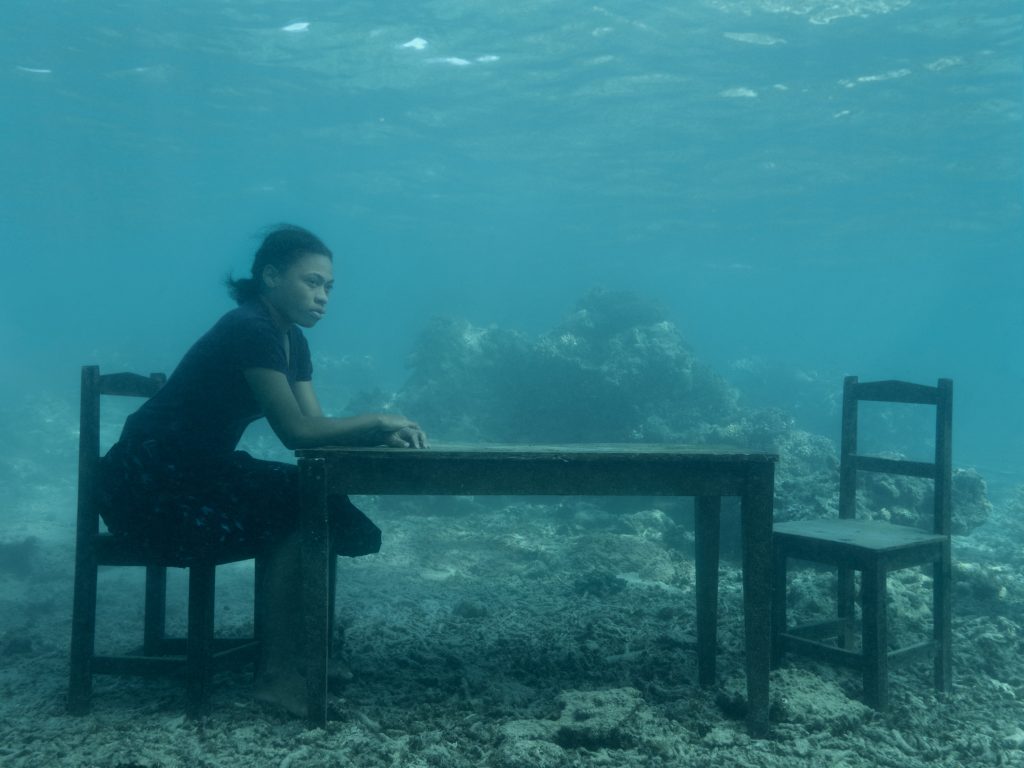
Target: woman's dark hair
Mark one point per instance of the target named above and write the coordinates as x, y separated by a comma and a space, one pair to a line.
282, 246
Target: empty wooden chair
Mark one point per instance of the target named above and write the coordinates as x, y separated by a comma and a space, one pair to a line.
195, 655
874, 548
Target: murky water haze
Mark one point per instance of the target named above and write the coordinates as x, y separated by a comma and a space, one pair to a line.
823, 187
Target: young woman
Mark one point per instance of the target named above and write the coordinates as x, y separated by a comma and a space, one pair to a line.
174, 480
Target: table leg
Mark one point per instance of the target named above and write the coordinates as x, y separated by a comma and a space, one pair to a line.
756, 505
707, 516
315, 555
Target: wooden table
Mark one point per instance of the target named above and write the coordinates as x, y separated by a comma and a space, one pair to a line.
613, 470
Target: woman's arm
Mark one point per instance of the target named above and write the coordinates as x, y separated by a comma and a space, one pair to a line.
306, 397
297, 420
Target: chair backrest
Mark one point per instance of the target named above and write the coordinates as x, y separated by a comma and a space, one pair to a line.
94, 386
940, 471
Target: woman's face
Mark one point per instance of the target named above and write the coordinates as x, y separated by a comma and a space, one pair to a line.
299, 294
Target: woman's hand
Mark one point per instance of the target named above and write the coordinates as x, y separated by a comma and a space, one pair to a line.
400, 432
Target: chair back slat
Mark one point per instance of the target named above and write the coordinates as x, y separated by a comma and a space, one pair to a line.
924, 469
95, 385
131, 384
940, 471
896, 392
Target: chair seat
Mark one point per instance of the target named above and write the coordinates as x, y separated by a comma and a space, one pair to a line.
873, 535
856, 543
114, 549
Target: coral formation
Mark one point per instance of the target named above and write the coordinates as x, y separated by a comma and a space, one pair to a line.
618, 370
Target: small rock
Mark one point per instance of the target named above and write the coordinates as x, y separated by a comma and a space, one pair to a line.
598, 719
719, 736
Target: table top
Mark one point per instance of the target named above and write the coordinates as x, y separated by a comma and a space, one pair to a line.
555, 452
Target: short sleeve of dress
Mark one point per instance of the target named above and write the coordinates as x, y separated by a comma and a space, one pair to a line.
256, 343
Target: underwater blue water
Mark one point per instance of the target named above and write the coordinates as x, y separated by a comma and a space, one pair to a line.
832, 186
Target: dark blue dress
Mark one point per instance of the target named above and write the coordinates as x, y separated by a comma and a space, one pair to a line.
174, 481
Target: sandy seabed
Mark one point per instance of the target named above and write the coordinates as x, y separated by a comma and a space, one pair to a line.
525, 633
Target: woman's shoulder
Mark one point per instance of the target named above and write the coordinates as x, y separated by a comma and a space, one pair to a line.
246, 337
252, 316
246, 327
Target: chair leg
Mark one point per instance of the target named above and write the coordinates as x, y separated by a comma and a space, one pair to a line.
332, 588
779, 617
83, 636
259, 608
845, 603
199, 646
706, 535
875, 642
156, 610
942, 626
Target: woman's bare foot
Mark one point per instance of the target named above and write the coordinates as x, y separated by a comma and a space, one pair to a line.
286, 690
